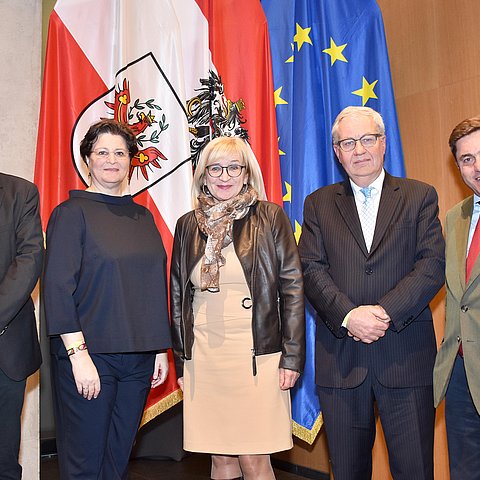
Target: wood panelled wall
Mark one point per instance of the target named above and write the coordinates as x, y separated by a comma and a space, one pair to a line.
434, 50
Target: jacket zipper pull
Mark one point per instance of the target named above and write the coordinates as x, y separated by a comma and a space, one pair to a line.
254, 363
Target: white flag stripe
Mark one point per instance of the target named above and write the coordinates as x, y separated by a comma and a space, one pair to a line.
178, 191
93, 25
113, 33
197, 58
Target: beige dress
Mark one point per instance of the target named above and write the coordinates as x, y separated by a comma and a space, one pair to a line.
227, 410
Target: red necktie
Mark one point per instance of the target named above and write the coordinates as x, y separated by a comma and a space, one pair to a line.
473, 252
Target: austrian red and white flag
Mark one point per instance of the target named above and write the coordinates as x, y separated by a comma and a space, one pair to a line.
148, 63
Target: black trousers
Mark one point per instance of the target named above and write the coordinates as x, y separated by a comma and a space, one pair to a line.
11, 403
407, 416
95, 437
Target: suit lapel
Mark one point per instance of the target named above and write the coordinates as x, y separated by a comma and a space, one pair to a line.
389, 201
457, 237
345, 202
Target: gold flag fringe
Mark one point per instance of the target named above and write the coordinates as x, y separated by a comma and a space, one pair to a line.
175, 397
305, 434
162, 406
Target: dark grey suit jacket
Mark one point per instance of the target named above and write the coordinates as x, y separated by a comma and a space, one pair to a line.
21, 257
402, 273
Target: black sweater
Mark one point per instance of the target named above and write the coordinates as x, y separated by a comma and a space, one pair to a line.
105, 274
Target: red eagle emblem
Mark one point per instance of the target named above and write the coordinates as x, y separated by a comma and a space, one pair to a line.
135, 117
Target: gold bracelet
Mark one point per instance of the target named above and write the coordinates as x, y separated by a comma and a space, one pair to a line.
75, 344
76, 347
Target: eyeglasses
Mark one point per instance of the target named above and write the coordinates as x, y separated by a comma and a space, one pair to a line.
368, 141
104, 153
233, 170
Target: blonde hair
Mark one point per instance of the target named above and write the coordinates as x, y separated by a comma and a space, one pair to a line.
358, 112
223, 147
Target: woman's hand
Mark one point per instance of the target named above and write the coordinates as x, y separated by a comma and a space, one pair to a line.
160, 370
180, 383
287, 378
85, 375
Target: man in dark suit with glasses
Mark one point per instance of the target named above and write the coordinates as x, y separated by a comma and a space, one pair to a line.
372, 252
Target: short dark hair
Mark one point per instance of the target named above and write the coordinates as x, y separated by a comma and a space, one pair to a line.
464, 128
108, 126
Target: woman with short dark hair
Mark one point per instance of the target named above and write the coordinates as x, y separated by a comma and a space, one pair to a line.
106, 309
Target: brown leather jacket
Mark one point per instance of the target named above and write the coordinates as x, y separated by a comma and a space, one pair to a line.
267, 251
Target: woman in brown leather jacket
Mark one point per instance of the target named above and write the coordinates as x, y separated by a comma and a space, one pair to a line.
237, 315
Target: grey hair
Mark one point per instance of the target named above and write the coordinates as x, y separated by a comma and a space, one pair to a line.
357, 112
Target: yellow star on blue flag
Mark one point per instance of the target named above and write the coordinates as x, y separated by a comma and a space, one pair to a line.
297, 232
277, 97
291, 57
335, 52
302, 36
288, 195
366, 92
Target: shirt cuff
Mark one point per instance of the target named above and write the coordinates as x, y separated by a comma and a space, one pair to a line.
345, 320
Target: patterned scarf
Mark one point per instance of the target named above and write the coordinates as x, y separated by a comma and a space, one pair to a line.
215, 220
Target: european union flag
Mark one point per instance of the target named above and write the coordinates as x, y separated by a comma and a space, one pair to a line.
326, 55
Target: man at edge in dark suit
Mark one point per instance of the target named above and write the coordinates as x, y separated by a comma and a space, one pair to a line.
21, 257
372, 252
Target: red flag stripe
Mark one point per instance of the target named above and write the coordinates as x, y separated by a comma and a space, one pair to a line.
61, 105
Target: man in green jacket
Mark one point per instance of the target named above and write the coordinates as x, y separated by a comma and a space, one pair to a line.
457, 367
